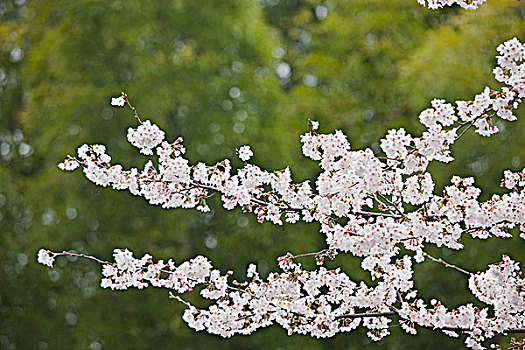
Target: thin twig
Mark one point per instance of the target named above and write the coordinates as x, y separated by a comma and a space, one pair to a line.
81, 256
391, 204
132, 108
370, 314
441, 261
464, 131
309, 254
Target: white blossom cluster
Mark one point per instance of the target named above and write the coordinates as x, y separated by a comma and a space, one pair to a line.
128, 272
466, 4
375, 195
501, 286
146, 137
45, 257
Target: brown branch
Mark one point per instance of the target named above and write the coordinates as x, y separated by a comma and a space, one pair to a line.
464, 131
81, 256
309, 254
441, 261
371, 314
392, 204
132, 108
472, 123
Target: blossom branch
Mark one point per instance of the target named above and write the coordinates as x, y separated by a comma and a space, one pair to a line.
322, 302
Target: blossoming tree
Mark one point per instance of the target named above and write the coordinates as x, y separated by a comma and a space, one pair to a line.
378, 207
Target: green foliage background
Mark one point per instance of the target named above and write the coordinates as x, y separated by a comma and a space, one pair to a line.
360, 66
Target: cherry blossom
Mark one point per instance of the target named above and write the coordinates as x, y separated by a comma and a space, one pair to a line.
381, 208
245, 153
466, 4
45, 257
118, 101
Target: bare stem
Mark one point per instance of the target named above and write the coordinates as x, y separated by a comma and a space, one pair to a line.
81, 256
391, 204
310, 254
464, 131
441, 261
132, 108
370, 314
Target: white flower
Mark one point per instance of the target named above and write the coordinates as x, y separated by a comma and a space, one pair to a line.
105, 158
45, 257
395, 143
68, 164
146, 137
99, 149
419, 257
252, 269
118, 101
418, 189
436, 4
245, 153
83, 152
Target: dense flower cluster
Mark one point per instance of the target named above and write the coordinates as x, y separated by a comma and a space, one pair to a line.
466, 4
373, 194
146, 137
45, 257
